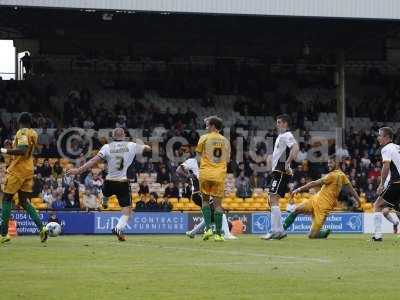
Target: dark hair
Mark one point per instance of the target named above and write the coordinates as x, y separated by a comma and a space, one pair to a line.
155, 195
285, 118
216, 121
387, 131
25, 119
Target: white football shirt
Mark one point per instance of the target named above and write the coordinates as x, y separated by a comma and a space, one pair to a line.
192, 165
119, 155
391, 153
282, 146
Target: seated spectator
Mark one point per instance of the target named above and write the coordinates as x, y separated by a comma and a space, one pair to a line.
89, 200
141, 204
243, 186
171, 191
57, 169
58, 204
38, 183
71, 196
144, 188
45, 170
47, 195
165, 205
370, 193
152, 204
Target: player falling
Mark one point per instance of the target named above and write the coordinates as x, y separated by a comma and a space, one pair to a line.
285, 151
190, 170
214, 152
389, 187
19, 176
118, 155
321, 204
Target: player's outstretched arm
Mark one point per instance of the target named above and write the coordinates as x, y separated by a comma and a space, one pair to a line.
355, 195
19, 151
308, 186
90, 164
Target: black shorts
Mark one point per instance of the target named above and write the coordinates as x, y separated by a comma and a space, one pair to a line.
391, 195
121, 189
279, 183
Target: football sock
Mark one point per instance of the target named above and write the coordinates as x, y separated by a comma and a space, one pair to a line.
218, 221
289, 220
5, 216
276, 222
33, 214
392, 218
198, 228
207, 216
225, 225
378, 225
122, 222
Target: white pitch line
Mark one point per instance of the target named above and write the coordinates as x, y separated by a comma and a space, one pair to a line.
238, 253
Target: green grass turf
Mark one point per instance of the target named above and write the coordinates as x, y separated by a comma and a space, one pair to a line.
175, 267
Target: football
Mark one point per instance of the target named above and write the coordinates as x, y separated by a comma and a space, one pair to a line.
54, 229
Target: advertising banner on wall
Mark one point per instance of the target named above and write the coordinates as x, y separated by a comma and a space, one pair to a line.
196, 218
337, 222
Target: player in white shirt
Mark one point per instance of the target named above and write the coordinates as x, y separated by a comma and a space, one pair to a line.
389, 189
118, 155
285, 152
190, 169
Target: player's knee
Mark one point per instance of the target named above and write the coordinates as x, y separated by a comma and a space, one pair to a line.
385, 211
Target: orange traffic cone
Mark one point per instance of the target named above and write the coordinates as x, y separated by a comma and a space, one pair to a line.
12, 228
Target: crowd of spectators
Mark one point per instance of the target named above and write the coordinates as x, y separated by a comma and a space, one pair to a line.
360, 150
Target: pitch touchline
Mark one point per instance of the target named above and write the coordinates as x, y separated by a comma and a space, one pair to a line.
319, 260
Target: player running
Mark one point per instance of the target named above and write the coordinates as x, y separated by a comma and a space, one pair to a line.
19, 176
118, 155
190, 170
285, 151
214, 152
389, 188
321, 204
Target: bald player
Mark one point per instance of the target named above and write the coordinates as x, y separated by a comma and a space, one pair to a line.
119, 155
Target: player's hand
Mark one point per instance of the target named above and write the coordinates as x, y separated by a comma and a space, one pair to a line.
74, 171
379, 189
294, 192
288, 169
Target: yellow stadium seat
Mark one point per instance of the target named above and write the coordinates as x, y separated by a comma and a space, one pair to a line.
184, 200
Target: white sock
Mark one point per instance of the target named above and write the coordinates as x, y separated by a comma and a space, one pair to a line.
276, 220
198, 228
378, 225
225, 226
392, 218
122, 222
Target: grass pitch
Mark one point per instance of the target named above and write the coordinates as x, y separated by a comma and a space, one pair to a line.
175, 267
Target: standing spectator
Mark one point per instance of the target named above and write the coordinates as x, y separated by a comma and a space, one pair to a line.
44, 138
171, 191
27, 63
243, 186
163, 176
